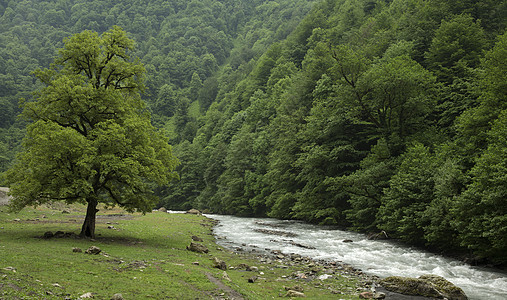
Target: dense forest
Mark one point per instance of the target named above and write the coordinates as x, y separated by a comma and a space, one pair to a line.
368, 114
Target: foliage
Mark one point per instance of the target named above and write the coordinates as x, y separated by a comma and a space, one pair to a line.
91, 138
367, 114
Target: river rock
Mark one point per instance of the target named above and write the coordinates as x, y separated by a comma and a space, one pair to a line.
162, 209
427, 285
219, 264
194, 211
199, 248
93, 250
447, 288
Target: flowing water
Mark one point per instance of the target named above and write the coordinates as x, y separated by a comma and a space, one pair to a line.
381, 258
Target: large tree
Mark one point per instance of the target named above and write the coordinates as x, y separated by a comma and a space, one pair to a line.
91, 139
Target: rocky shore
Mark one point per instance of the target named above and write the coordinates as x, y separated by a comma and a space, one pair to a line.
369, 287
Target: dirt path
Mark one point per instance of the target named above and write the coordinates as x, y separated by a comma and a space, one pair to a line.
4, 199
232, 294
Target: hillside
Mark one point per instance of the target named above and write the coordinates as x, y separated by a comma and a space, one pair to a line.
183, 44
372, 115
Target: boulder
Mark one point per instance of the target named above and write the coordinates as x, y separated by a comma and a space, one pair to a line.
199, 248
447, 288
194, 212
77, 250
219, 264
432, 286
162, 209
252, 279
93, 250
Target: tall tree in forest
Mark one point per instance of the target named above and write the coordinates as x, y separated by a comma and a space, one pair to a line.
91, 140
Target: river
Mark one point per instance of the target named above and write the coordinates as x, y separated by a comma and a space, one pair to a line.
380, 258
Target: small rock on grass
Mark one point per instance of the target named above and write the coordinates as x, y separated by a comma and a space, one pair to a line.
77, 250
219, 264
226, 276
296, 288
93, 250
86, 296
117, 297
195, 247
291, 293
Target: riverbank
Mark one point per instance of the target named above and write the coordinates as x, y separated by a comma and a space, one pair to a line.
146, 257
383, 258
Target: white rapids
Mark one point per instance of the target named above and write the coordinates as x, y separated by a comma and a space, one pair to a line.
380, 258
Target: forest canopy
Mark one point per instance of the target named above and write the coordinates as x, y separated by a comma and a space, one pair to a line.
369, 114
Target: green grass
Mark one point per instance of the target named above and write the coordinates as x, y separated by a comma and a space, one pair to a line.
144, 257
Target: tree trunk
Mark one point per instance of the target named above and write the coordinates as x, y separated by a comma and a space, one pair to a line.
88, 229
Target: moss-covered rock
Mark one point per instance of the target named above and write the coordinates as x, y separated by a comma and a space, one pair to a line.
447, 288
427, 285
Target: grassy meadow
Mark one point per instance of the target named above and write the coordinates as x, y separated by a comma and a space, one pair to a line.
143, 257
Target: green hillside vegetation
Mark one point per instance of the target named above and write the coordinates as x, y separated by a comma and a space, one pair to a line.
368, 114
